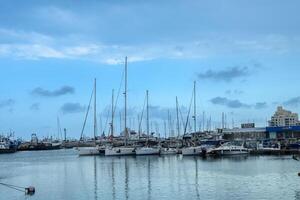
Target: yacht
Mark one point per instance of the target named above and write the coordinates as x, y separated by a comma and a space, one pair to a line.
119, 151
147, 151
229, 149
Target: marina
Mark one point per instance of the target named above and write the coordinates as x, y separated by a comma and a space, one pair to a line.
149, 100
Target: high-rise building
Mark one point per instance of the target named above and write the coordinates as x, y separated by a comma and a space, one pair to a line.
284, 117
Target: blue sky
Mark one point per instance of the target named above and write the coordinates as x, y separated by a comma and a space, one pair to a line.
243, 55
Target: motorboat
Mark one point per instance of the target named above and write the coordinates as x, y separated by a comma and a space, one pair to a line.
229, 149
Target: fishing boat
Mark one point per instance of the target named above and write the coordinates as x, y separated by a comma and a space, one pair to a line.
230, 149
94, 150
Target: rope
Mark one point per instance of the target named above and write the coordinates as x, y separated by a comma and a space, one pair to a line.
86, 115
13, 187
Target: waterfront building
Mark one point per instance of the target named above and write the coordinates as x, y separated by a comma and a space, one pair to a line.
283, 132
283, 117
253, 133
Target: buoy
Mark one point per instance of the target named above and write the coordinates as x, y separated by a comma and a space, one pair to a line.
30, 190
298, 173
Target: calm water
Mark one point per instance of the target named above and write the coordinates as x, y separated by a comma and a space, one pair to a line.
63, 175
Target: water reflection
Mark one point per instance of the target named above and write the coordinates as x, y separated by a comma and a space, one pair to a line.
113, 181
126, 179
297, 195
196, 179
149, 178
95, 179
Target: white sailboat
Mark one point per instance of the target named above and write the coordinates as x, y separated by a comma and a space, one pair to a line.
88, 151
124, 150
193, 150
168, 151
147, 150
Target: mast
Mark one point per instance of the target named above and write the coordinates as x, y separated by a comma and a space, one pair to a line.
195, 110
147, 97
112, 114
95, 110
177, 116
125, 107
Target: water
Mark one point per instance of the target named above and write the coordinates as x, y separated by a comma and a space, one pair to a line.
63, 175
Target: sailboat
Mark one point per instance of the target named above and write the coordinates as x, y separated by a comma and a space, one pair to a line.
193, 150
94, 150
147, 150
124, 150
168, 150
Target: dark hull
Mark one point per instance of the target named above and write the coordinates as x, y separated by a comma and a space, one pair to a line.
2, 151
39, 148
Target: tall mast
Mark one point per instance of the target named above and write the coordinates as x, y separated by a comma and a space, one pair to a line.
112, 114
125, 107
177, 116
195, 110
147, 97
95, 110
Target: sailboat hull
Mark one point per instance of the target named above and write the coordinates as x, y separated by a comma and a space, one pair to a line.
120, 151
192, 151
88, 151
168, 151
147, 151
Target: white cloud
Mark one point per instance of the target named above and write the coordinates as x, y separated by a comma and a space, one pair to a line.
32, 45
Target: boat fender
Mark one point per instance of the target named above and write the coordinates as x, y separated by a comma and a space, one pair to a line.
30, 190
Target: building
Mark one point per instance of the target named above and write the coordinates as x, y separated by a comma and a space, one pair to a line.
283, 118
244, 133
283, 132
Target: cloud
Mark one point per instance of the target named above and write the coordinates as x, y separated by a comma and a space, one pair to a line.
55, 93
260, 105
295, 101
72, 108
229, 103
226, 75
7, 103
35, 106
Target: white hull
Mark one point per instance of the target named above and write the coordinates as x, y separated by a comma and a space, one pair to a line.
119, 151
235, 152
230, 150
191, 151
147, 151
88, 151
168, 151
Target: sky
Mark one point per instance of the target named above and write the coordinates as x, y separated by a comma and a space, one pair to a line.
243, 55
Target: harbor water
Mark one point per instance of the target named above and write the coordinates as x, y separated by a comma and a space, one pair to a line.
62, 174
